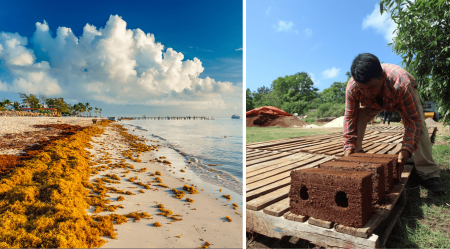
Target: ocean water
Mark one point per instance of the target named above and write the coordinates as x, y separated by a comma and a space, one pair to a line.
214, 146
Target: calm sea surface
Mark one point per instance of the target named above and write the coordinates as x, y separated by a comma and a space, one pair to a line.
215, 144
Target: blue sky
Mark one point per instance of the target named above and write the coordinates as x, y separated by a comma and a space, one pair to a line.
318, 37
110, 53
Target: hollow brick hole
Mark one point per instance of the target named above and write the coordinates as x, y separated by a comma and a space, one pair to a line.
304, 193
341, 199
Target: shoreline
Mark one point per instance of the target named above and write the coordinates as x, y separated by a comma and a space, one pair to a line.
205, 172
202, 221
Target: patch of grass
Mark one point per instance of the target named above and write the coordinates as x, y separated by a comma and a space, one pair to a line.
424, 222
260, 134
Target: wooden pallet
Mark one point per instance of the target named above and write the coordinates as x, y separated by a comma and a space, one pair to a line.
268, 183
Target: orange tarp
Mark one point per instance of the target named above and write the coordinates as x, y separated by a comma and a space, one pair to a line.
268, 110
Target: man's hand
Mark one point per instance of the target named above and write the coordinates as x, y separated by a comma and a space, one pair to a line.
347, 153
403, 157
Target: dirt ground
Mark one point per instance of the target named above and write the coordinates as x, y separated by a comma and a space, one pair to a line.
266, 120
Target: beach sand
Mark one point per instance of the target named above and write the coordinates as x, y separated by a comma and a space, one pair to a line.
17, 132
202, 221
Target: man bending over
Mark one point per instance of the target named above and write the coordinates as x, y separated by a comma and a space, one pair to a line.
376, 87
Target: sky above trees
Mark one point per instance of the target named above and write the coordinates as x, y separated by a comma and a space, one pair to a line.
132, 58
318, 37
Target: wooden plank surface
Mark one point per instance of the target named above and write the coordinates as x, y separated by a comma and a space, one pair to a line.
285, 169
278, 227
294, 217
268, 199
278, 209
280, 163
265, 159
263, 167
320, 223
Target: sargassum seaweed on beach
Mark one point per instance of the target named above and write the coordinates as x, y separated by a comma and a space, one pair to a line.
48, 194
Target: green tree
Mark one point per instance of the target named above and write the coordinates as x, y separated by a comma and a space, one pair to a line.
335, 93
58, 103
263, 97
298, 86
423, 41
31, 100
86, 107
16, 106
4, 105
96, 110
248, 99
294, 92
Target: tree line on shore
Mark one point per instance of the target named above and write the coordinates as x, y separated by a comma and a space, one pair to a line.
40, 102
297, 94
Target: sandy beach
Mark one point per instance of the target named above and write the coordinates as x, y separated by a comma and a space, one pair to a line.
202, 222
16, 132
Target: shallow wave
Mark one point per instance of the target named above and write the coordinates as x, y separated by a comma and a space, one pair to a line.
206, 172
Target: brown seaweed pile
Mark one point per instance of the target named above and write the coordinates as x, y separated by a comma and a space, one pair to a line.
43, 203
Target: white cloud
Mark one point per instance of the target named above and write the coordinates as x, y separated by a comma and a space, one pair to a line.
112, 64
308, 32
382, 24
283, 26
3, 86
239, 49
313, 78
330, 73
268, 10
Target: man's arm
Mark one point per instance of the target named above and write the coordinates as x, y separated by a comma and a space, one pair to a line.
411, 119
351, 110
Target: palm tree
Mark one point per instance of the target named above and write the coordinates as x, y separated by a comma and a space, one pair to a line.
100, 112
81, 107
87, 106
90, 109
96, 110
5, 104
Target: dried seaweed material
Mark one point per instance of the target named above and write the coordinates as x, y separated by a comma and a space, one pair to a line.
228, 218
137, 216
189, 200
206, 245
227, 196
158, 173
157, 224
190, 189
179, 194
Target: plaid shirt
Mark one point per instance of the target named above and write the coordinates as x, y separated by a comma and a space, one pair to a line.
398, 96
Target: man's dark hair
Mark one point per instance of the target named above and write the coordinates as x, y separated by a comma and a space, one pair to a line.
366, 67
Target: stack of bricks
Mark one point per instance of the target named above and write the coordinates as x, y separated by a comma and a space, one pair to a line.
345, 190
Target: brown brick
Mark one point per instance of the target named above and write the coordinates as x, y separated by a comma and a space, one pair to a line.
387, 165
333, 195
376, 170
397, 169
